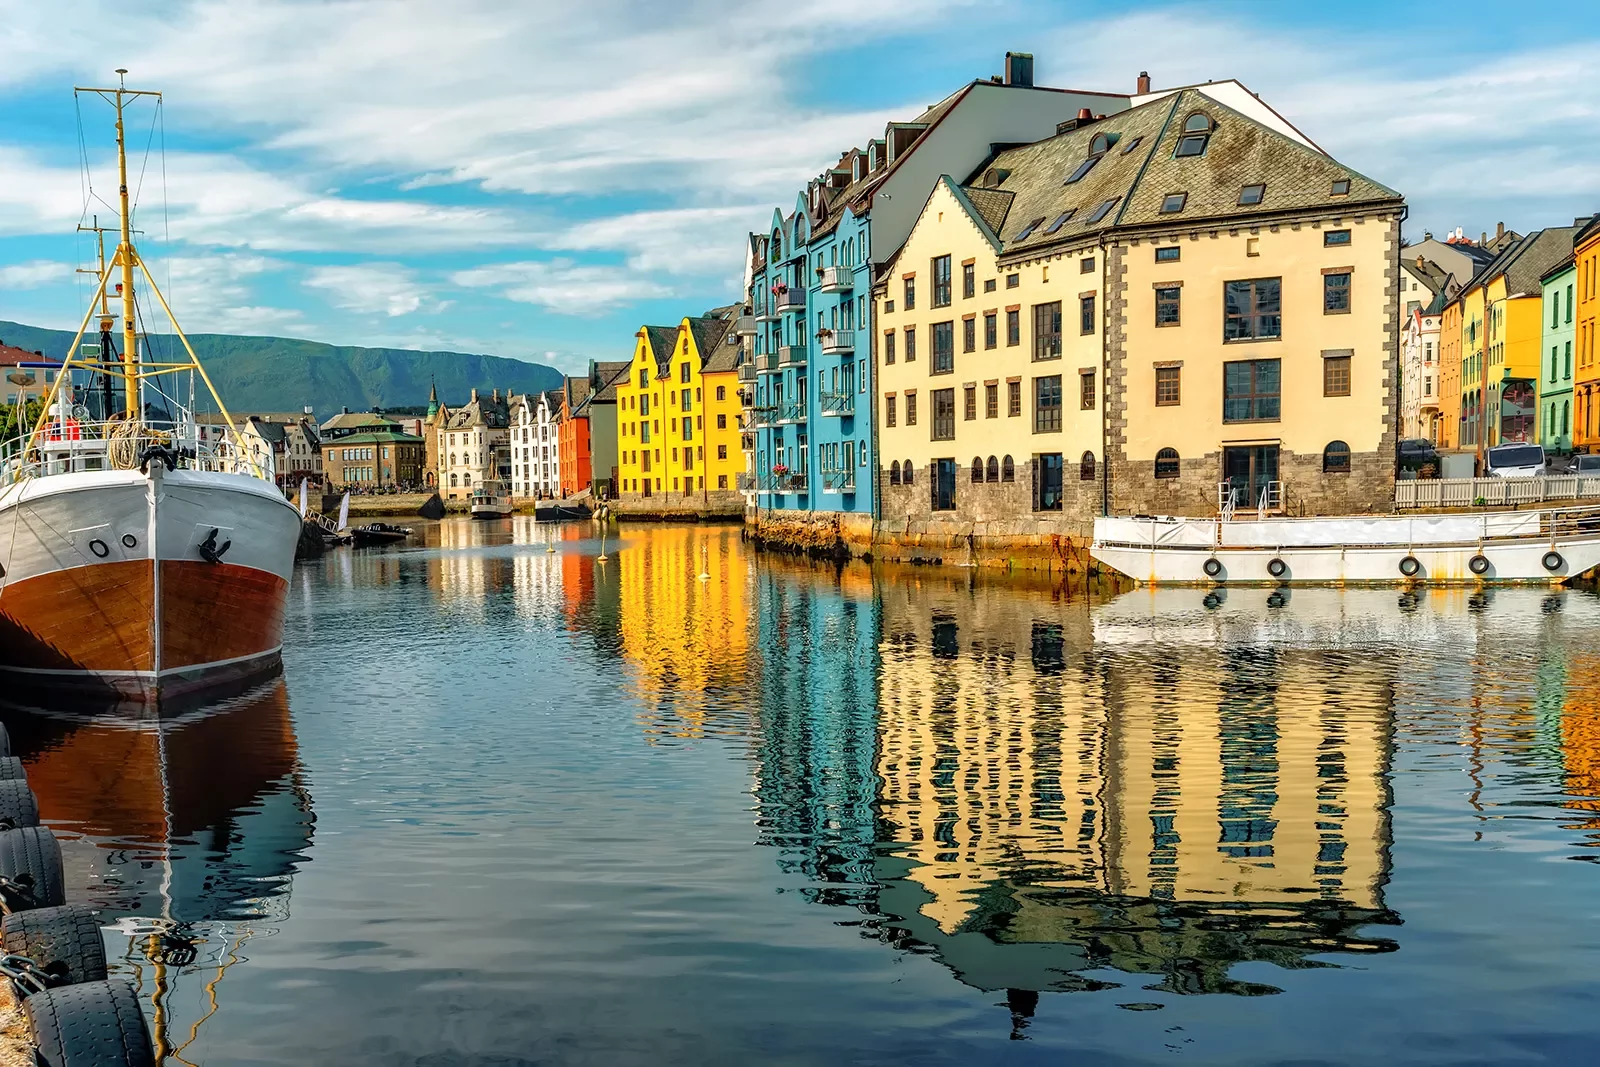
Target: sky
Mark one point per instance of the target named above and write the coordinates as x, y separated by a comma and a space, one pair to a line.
536, 180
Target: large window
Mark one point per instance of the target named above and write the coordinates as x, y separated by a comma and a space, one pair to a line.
969, 334
944, 485
1251, 391
1169, 386
1336, 375
944, 348
1169, 305
944, 415
1047, 404
991, 329
1047, 331
1049, 495
1013, 327
941, 282
1336, 293
1253, 310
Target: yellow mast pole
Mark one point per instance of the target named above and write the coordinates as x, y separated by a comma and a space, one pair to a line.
125, 256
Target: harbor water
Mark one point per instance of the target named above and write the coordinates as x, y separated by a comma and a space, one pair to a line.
695, 804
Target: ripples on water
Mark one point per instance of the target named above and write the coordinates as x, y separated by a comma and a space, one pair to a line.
530, 808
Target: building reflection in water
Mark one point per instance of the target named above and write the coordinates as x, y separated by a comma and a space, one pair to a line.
184, 834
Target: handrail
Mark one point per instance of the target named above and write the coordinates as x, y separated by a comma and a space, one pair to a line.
61, 446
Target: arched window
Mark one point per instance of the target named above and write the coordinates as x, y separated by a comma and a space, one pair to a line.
1167, 463
905, 473
1008, 470
466, 481
1197, 130
977, 470
452, 481
894, 473
1086, 467
1100, 145
994, 469
452, 459
1566, 414
777, 245
1336, 458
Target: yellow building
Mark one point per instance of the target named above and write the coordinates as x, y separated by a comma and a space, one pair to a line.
1154, 303
678, 415
1586, 379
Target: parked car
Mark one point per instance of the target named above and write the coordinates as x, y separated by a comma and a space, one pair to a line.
1417, 453
1589, 464
1515, 461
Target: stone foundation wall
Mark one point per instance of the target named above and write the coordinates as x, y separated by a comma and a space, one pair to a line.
1368, 487
669, 506
838, 534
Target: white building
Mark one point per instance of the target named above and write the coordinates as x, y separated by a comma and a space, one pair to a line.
473, 449
1425, 288
535, 445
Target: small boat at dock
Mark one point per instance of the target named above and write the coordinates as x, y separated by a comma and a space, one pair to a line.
489, 503
378, 533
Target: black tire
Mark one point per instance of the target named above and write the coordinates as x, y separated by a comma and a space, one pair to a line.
1552, 561
1277, 567
5, 738
96, 1024
1212, 567
1478, 564
64, 942
30, 856
1410, 566
18, 806
11, 768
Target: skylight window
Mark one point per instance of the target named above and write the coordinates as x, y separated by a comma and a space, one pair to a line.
1061, 220
1103, 210
1027, 230
1173, 202
1131, 145
1197, 130
1083, 168
1341, 187
1252, 194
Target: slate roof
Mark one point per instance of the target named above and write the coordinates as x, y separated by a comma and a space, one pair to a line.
484, 411
1563, 264
663, 339
1526, 261
271, 432
352, 420
608, 374
398, 437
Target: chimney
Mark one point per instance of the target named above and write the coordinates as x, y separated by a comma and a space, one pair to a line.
1019, 69
1419, 262
474, 399
494, 396
1499, 230
1426, 236
1144, 82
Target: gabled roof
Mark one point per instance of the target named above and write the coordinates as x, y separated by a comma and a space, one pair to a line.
353, 420
662, 340
1562, 265
271, 432
492, 413
398, 437
1526, 261
606, 375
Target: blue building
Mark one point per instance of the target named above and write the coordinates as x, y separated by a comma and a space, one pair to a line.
809, 418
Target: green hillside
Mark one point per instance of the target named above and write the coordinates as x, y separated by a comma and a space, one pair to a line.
283, 374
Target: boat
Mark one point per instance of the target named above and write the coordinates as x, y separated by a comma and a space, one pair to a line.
139, 558
377, 533
1537, 547
488, 503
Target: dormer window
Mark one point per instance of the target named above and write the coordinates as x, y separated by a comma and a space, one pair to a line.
1027, 230
1097, 148
1197, 131
1252, 194
1100, 145
1341, 187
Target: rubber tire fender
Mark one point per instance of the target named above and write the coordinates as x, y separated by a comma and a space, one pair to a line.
32, 852
64, 942
1478, 564
5, 738
1552, 561
95, 1024
1212, 567
11, 769
1277, 567
1411, 566
18, 806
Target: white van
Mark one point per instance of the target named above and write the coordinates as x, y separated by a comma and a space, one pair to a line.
1515, 461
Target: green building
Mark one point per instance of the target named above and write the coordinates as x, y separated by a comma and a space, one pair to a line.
1555, 375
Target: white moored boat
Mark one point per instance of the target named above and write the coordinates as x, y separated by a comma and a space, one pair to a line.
1548, 547
137, 559
487, 503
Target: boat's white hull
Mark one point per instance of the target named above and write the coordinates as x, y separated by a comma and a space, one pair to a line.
84, 606
491, 511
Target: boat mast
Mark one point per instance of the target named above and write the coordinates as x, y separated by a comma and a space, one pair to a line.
125, 256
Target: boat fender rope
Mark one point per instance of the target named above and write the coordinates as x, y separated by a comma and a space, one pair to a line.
1277, 567
1212, 567
1552, 561
159, 452
210, 551
1410, 566
1478, 564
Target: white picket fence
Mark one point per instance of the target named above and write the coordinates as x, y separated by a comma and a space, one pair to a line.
1494, 492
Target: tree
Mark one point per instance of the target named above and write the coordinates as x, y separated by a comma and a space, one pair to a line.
9, 426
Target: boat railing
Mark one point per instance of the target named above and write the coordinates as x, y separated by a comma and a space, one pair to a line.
1494, 492
72, 446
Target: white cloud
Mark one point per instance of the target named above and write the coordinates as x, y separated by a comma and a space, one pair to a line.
33, 274
563, 286
390, 289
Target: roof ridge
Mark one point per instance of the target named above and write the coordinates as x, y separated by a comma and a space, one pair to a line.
1144, 167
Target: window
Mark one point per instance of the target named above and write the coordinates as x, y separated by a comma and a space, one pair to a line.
1169, 305
1341, 187
1252, 309
722, 422
1339, 238
991, 401
941, 282
1569, 303
944, 484
1013, 280
1027, 231
1008, 470
944, 348
1336, 293
970, 403
1047, 404
1336, 458
911, 293
894, 473
643, 379
888, 410
969, 334
905, 472
1086, 390
1047, 331
683, 372
1250, 391
1132, 145
1169, 386
991, 329
722, 451
911, 409
1197, 129
1086, 265
1173, 203
969, 281
1086, 314
1013, 327
993, 470
911, 344
1048, 497
1086, 467
1252, 194
1336, 375
1013, 400
888, 346
944, 415
1099, 213
1083, 168
988, 285
977, 470
1167, 463
1061, 220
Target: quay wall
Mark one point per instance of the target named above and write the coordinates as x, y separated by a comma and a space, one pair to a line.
712, 506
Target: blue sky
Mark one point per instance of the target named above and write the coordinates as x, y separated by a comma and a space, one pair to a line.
535, 180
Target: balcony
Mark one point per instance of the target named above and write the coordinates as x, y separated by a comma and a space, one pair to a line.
840, 405
787, 482
791, 355
745, 325
762, 417
838, 342
766, 362
746, 482
747, 372
790, 300
838, 279
838, 481
765, 313
792, 412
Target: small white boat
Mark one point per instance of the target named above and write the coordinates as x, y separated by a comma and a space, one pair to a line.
487, 503
1545, 547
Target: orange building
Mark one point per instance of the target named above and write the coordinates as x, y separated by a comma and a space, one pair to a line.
573, 437
1450, 375
1586, 377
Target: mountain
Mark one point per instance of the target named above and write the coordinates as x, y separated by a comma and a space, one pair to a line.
283, 374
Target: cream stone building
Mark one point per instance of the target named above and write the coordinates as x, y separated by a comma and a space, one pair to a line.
1149, 313
474, 449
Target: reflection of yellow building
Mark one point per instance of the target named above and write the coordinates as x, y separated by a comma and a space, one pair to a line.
1580, 738
685, 636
